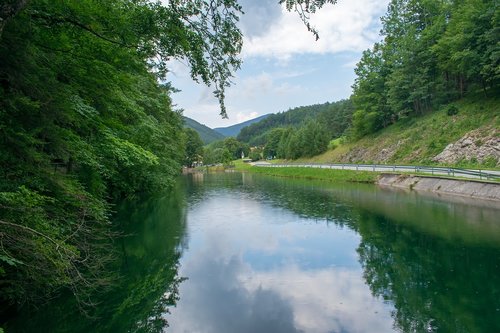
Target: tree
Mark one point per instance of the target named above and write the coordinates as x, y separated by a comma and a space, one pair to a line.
10, 9
84, 120
272, 142
432, 53
469, 51
194, 147
256, 154
337, 118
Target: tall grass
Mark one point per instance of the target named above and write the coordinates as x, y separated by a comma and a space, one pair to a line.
313, 173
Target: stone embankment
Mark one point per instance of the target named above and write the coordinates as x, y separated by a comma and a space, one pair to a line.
471, 189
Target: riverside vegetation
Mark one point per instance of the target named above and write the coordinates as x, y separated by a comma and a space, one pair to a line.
312, 173
431, 81
85, 122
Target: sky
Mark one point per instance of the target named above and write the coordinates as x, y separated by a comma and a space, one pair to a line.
283, 66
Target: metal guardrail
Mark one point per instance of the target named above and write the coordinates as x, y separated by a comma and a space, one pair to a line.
488, 175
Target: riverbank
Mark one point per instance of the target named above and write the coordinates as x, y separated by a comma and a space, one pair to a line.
455, 187
445, 186
310, 173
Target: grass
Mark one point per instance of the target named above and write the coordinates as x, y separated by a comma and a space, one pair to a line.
336, 175
416, 141
312, 173
412, 141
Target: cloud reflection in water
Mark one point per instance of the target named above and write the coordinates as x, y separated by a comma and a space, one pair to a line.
225, 293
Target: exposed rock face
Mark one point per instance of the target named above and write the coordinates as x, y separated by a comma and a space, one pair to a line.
480, 144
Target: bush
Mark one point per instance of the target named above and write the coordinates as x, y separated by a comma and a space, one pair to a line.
335, 143
452, 110
255, 155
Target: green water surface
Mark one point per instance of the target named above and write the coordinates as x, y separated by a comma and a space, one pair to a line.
234, 252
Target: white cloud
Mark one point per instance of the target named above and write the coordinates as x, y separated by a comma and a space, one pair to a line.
205, 113
347, 26
264, 84
322, 300
284, 67
326, 300
246, 115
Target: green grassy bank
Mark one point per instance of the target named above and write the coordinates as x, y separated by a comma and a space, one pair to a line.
417, 140
311, 173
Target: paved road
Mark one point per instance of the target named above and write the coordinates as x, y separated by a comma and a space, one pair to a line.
439, 171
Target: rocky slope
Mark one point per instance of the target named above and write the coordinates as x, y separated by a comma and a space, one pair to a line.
481, 145
470, 138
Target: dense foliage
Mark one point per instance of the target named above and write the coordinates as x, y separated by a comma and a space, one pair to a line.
84, 121
225, 151
194, 148
300, 132
432, 53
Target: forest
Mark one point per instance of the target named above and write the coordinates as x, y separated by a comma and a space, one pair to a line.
431, 54
86, 115
316, 125
86, 120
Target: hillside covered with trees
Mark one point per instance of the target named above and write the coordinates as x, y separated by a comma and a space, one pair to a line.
433, 55
206, 134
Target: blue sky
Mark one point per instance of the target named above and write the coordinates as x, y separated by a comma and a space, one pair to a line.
283, 66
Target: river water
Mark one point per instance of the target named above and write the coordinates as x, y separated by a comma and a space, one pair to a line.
234, 252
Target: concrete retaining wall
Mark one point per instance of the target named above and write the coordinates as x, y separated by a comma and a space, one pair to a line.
464, 188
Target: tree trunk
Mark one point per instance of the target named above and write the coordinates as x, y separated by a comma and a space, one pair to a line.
484, 88
461, 85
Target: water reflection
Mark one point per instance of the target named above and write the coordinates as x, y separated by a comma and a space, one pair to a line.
260, 267
435, 284
146, 282
272, 255
264, 254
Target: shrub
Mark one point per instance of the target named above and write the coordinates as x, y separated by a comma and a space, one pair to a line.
452, 110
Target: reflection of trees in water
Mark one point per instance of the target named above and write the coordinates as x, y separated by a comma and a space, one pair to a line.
147, 278
151, 252
438, 262
435, 284
305, 198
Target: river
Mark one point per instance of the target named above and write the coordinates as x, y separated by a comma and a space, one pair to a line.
232, 252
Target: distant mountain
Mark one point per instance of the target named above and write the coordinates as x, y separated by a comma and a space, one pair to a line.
234, 130
292, 117
335, 116
207, 134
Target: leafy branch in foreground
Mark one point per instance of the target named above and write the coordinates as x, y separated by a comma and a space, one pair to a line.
304, 8
83, 122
